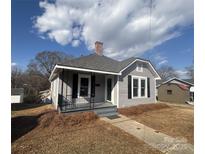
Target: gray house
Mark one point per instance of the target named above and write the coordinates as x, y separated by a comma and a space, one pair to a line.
96, 81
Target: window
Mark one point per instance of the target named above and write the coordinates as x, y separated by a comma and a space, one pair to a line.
143, 87
84, 85
169, 92
139, 87
135, 87
139, 67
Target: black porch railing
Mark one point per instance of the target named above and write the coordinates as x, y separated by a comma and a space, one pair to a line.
71, 104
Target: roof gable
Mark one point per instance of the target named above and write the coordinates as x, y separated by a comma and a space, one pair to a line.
150, 66
178, 81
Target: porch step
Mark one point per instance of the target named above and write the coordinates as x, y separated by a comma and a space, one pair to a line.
106, 111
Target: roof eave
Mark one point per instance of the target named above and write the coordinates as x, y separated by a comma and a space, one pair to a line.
178, 80
57, 66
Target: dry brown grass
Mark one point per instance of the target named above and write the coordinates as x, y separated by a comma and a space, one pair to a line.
176, 121
73, 133
136, 110
24, 109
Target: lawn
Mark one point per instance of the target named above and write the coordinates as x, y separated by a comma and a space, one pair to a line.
39, 129
173, 120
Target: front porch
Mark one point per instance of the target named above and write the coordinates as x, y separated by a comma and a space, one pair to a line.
101, 109
84, 91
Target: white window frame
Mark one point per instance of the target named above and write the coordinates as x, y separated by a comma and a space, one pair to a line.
139, 86
79, 84
139, 67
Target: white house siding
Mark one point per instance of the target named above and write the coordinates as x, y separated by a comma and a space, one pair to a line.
123, 87
17, 98
115, 91
54, 91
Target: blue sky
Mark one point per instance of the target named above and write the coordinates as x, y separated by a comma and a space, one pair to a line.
25, 41
29, 27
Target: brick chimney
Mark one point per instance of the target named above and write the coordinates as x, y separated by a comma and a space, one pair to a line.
99, 48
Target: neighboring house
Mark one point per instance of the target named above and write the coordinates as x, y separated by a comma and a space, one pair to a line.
95, 81
176, 90
17, 95
45, 96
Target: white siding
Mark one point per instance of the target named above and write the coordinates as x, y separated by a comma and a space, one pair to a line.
16, 98
54, 92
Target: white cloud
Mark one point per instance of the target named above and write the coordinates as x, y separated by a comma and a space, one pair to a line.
13, 64
63, 37
163, 62
182, 74
122, 25
158, 58
75, 43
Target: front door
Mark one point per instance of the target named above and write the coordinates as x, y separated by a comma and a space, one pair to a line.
84, 88
109, 89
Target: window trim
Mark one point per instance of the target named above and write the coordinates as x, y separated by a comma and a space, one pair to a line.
79, 84
139, 86
145, 87
112, 92
139, 67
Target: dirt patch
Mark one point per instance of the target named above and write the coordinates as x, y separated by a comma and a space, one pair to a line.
136, 110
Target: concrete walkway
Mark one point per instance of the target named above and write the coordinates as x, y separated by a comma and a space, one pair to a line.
158, 140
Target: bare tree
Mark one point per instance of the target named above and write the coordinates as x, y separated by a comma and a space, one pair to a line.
190, 71
16, 77
166, 72
35, 78
44, 62
39, 68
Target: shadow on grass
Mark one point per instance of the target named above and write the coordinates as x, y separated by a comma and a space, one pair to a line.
23, 106
22, 125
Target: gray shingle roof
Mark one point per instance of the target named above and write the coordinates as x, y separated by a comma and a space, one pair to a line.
96, 62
